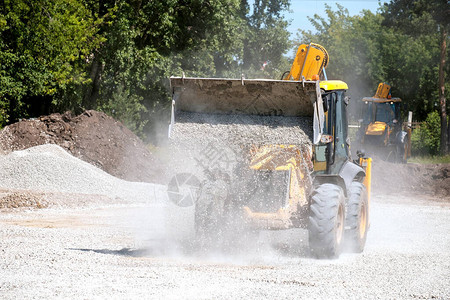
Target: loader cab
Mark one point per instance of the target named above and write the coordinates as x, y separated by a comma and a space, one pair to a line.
377, 111
380, 121
333, 149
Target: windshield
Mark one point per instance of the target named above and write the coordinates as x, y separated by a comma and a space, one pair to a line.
381, 112
384, 112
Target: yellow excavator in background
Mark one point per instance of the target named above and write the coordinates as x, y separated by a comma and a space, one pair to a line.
381, 131
313, 184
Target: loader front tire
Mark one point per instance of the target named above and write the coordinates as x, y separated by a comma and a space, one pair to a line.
357, 217
210, 214
326, 221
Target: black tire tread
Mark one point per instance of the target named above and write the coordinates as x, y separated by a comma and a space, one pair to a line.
325, 202
354, 242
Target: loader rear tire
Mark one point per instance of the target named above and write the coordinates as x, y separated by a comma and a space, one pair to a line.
326, 221
357, 217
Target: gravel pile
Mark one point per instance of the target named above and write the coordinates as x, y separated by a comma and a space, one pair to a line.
49, 168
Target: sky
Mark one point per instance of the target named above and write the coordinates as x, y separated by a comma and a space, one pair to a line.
301, 9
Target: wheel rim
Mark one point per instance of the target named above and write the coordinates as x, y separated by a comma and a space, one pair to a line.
362, 221
340, 225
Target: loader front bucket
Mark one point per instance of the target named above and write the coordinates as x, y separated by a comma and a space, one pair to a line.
244, 96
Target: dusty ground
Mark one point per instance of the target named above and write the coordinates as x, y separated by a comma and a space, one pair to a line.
69, 230
411, 179
105, 251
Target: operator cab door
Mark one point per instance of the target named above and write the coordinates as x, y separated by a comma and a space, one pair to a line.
329, 156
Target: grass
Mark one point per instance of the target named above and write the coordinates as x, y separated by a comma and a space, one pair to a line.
430, 159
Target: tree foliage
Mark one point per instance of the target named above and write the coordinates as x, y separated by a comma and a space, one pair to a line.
266, 39
117, 55
418, 18
426, 139
42, 44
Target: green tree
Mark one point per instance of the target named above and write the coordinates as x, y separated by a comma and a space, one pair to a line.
43, 45
146, 42
426, 139
266, 38
424, 17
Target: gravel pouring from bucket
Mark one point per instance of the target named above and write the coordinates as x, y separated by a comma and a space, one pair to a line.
240, 119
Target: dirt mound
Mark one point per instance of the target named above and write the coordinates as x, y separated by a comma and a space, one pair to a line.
11, 199
93, 137
19, 199
441, 176
411, 178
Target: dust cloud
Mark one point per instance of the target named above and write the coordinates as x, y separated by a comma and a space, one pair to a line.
205, 158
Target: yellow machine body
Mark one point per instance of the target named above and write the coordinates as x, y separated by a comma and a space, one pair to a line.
382, 90
376, 128
366, 163
309, 62
379, 130
296, 161
333, 85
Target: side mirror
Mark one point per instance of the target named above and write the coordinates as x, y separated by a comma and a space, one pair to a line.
346, 100
360, 153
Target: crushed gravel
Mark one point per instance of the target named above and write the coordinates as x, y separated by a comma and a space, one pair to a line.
241, 129
49, 168
221, 141
83, 254
93, 137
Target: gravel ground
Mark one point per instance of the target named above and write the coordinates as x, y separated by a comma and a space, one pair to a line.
101, 252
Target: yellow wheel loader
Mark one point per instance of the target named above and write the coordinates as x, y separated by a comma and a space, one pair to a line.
272, 155
381, 131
